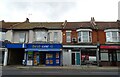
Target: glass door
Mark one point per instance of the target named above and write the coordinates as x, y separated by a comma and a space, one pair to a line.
73, 58
76, 58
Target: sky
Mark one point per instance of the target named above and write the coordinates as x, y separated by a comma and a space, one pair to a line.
58, 10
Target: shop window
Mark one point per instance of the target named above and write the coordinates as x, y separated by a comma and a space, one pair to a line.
68, 36
22, 37
84, 35
118, 56
104, 56
112, 35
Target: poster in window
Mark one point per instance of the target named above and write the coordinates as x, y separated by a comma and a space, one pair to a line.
57, 61
49, 56
35, 62
47, 61
51, 61
57, 55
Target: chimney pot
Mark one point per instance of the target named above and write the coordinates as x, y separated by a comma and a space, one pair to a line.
27, 20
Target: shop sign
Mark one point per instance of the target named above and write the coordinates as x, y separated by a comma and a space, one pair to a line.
110, 47
44, 46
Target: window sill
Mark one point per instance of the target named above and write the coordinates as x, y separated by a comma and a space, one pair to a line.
112, 43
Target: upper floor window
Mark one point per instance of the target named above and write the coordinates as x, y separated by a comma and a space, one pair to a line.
41, 35
84, 35
55, 36
112, 35
2, 36
22, 37
68, 36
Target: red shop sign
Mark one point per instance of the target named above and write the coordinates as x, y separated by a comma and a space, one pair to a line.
109, 47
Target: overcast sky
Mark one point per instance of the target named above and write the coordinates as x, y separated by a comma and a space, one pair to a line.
58, 10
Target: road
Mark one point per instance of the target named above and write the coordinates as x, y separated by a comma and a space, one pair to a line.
60, 71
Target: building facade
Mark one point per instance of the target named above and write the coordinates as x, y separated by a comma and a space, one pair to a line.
95, 43
34, 43
62, 43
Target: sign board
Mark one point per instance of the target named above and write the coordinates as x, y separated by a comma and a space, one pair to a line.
44, 46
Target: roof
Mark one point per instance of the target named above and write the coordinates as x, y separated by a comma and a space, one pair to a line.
76, 25
32, 25
107, 25
99, 25
6, 25
58, 25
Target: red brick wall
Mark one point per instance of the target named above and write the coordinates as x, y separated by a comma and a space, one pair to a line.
101, 36
94, 37
64, 37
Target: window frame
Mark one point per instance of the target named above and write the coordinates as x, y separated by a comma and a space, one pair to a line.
23, 37
89, 35
68, 41
40, 32
55, 40
111, 35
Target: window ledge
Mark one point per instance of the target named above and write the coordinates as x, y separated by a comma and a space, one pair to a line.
112, 43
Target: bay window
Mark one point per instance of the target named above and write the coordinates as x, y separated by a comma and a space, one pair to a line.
2, 36
84, 35
22, 37
41, 35
55, 36
112, 35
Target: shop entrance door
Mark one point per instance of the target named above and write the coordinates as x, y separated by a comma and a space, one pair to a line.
112, 58
76, 58
42, 58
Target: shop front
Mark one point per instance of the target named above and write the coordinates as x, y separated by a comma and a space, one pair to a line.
43, 54
79, 55
110, 55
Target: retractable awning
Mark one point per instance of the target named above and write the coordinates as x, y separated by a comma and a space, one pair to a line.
35, 49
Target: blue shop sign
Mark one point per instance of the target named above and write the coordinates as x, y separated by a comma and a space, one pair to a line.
15, 45
44, 46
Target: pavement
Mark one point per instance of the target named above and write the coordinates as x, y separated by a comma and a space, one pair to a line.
83, 67
86, 71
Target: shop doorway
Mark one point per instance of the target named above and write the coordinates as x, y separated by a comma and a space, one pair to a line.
15, 56
42, 58
75, 58
112, 57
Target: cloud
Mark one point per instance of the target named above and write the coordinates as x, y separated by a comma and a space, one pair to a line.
58, 10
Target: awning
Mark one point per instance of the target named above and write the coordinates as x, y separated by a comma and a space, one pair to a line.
35, 49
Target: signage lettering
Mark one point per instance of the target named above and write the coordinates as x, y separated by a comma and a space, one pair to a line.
42, 46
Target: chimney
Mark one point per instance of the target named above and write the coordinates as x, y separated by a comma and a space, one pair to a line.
92, 21
27, 20
3, 21
64, 23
